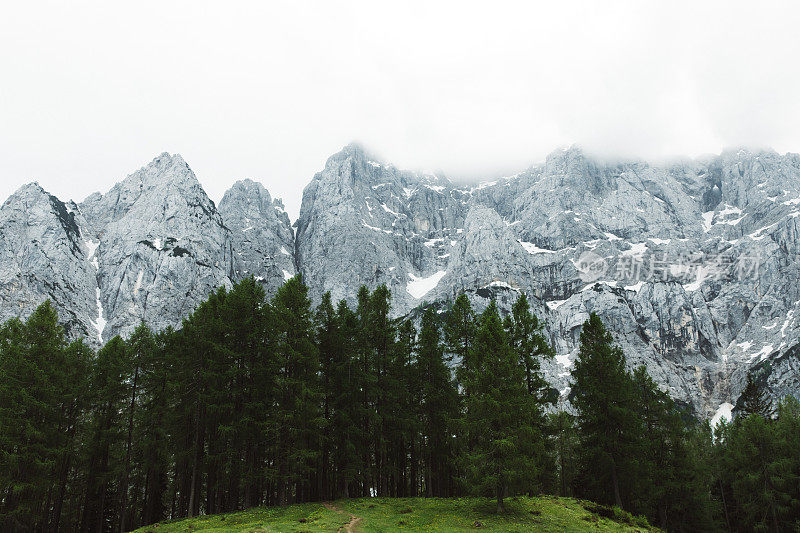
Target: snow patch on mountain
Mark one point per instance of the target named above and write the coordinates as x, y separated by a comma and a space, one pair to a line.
420, 286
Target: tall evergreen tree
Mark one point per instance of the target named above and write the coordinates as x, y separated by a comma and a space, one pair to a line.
753, 400
367, 386
565, 440
140, 346
459, 335
499, 414
748, 470
73, 403
250, 382
381, 339
785, 466
668, 485
106, 437
438, 406
528, 340
603, 396
152, 435
407, 410
348, 410
298, 389
42, 386
329, 344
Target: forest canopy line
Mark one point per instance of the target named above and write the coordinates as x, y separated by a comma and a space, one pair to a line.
271, 402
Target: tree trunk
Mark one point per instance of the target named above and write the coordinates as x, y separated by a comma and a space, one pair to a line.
123, 500
500, 507
193, 496
615, 483
62, 485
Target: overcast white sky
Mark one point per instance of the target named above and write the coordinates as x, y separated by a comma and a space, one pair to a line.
91, 91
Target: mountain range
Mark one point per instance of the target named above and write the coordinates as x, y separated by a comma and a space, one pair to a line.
694, 265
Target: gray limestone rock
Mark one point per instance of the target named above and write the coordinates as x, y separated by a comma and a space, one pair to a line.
163, 246
263, 240
46, 254
693, 265
698, 259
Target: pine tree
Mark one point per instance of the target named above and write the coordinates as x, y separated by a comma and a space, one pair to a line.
73, 405
407, 410
327, 339
757, 470
669, 485
459, 331
565, 440
139, 347
603, 396
785, 467
382, 339
753, 400
367, 386
298, 391
459, 335
106, 437
201, 401
346, 403
37, 416
250, 382
528, 340
748, 464
438, 406
152, 435
499, 414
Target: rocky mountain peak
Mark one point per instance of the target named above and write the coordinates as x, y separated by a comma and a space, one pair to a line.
163, 179
249, 196
43, 256
26, 191
353, 150
263, 240
693, 265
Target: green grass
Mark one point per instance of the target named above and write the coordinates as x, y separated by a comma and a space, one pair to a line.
547, 513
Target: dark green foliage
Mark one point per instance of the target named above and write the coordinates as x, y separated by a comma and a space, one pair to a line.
438, 408
565, 445
346, 410
408, 442
151, 437
499, 414
255, 402
459, 335
753, 400
43, 384
527, 338
106, 436
607, 423
635, 450
670, 483
758, 470
298, 392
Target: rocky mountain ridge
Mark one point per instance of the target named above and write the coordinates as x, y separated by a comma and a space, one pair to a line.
694, 265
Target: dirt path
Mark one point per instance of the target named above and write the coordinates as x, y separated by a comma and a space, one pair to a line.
349, 527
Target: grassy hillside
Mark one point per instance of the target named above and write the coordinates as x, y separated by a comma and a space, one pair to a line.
546, 513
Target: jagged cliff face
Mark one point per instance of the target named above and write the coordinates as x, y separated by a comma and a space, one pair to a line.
694, 266
162, 246
43, 254
364, 222
263, 240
